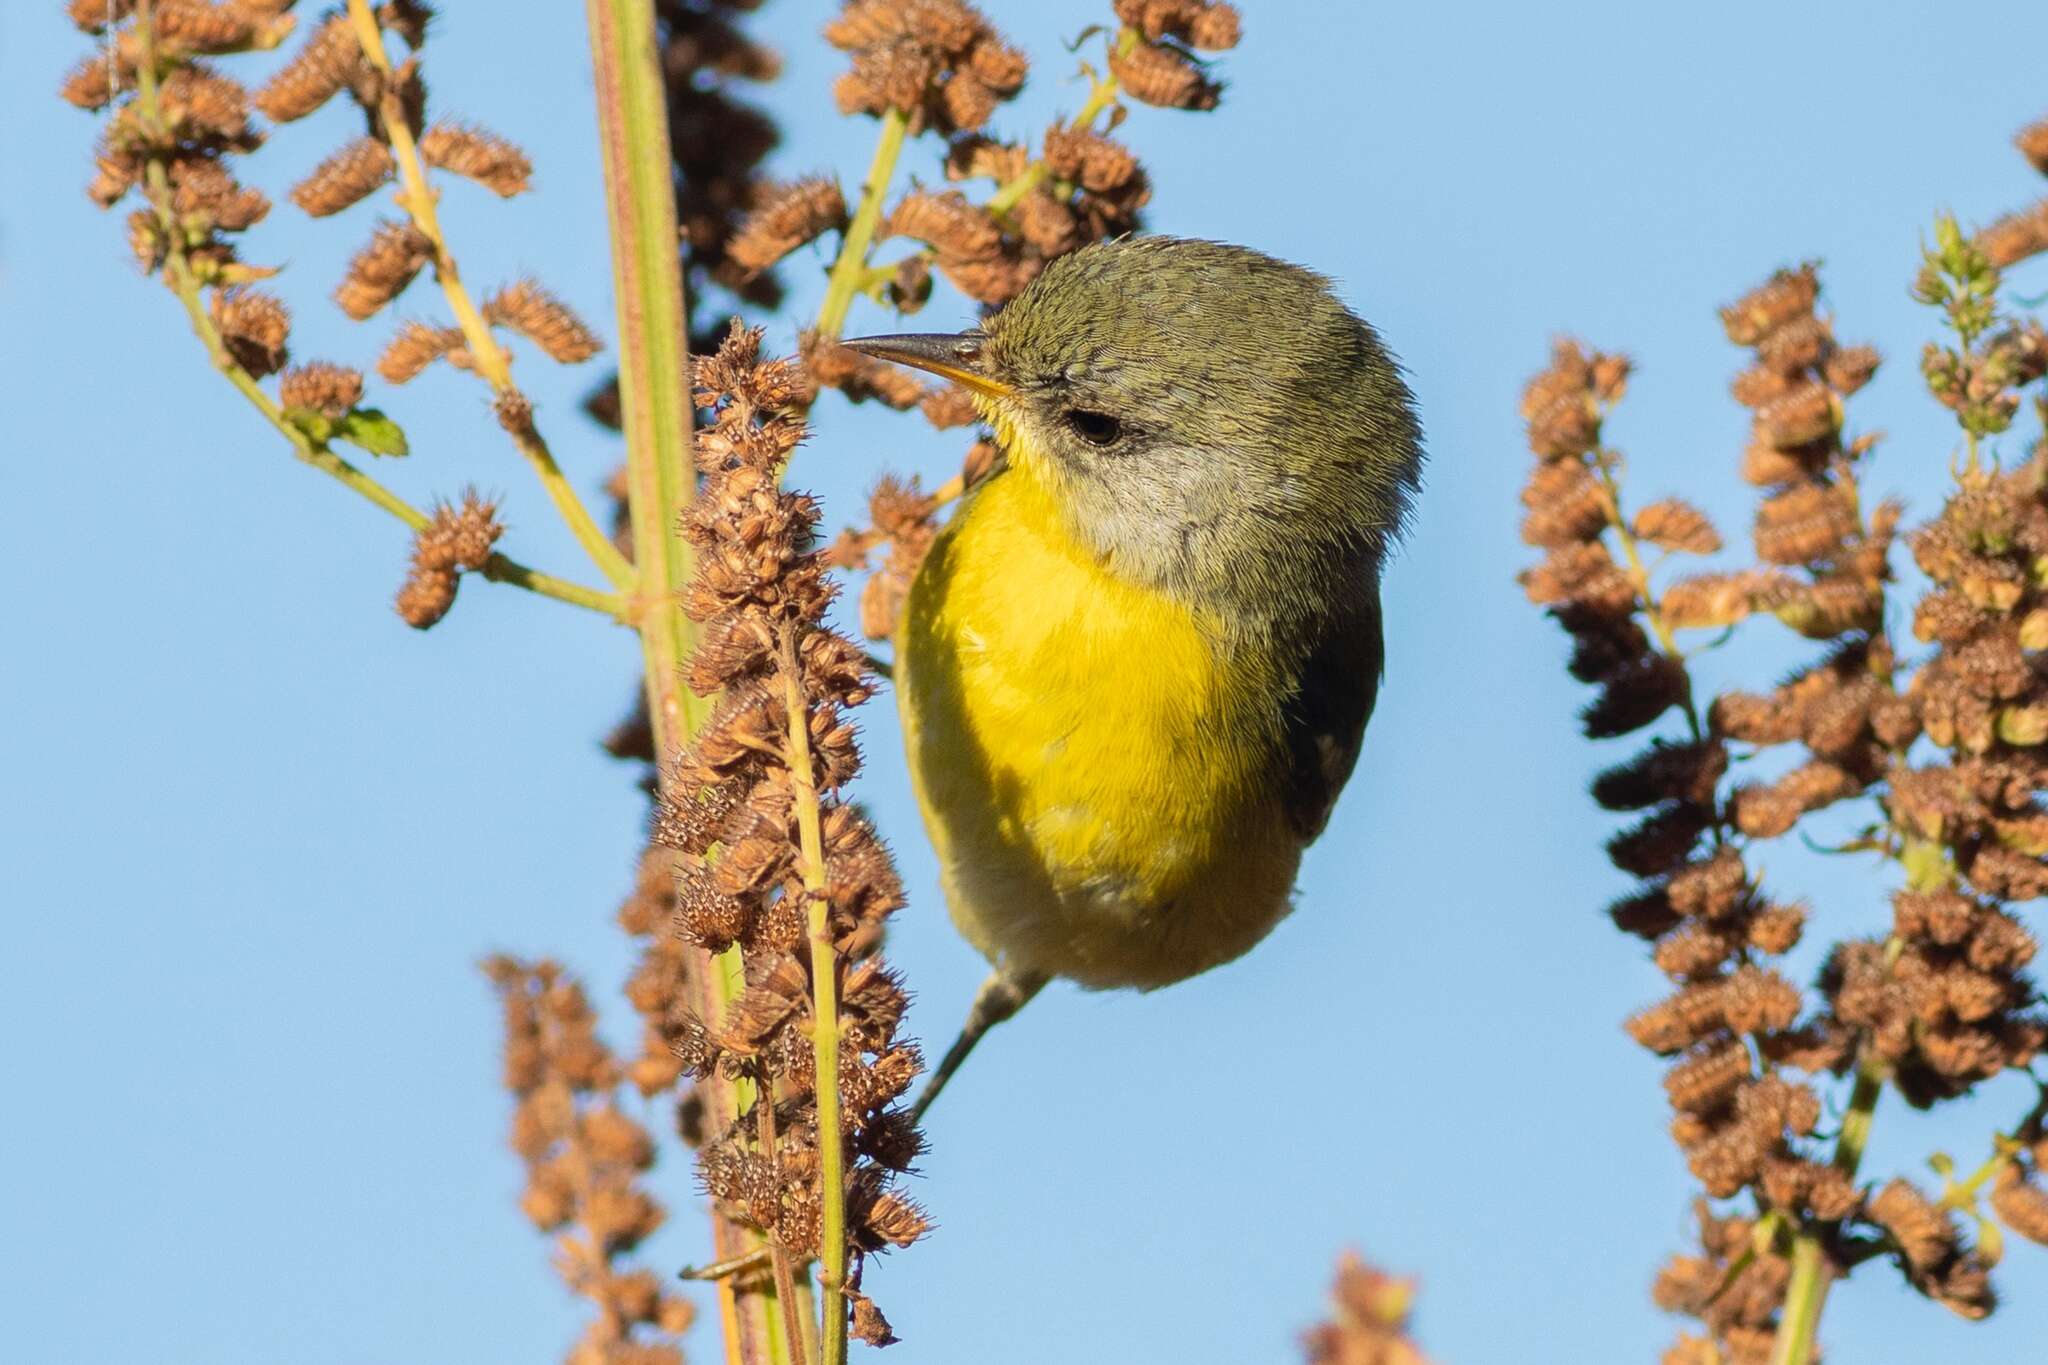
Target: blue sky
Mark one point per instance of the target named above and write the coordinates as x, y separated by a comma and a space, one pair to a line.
257, 832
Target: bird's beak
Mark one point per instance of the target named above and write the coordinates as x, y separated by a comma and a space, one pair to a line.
960, 357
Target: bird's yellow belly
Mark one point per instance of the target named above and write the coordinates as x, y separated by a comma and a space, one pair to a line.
1100, 792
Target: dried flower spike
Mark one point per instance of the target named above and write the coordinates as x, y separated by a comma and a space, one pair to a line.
478, 155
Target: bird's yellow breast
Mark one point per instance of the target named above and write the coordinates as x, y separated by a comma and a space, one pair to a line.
1095, 764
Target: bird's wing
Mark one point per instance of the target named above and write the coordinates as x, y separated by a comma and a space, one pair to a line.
1325, 718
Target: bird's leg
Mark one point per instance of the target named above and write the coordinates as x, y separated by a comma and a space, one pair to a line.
999, 997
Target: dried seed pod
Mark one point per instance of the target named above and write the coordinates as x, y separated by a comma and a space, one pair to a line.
478, 154
380, 271
330, 390
326, 62
345, 178
2016, 236
541, 318
415, 347
1787, 295
1675, 524
255, 327
1156, 74
785, 218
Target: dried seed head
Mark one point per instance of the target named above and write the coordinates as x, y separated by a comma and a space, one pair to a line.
478, 154
1787, 295
1162, 75
425, 597
345, 178
784, 218
1850, 368
956, 229
326, 62
938, 61
544, 320
415, 347
330, 390
1369, 1324
1207, 24
197, 103
380, 271
1675, 524
254, 326
205, 196
2016, 236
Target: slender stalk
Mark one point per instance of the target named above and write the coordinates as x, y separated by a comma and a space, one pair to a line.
824, 1011
852, 262
657, 415
419, 200
317, 453
1807, 1291
1804, 1295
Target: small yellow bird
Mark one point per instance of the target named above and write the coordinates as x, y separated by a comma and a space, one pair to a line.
1135, 669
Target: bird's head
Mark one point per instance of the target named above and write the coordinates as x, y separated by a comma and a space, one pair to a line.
1210, 420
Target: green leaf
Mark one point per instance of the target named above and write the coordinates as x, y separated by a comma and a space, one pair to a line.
373, 431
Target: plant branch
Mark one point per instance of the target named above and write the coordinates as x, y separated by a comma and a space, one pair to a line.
305, 447
824, 1010
1102, 96
849, 267
1807, 1290
419, 201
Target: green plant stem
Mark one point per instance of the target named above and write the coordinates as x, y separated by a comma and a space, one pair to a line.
656, 413
824, 1011
1806, 1291
419, 200
317, 453
1804, 1294
852, 262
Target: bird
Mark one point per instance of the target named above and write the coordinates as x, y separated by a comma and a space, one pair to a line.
1135, 668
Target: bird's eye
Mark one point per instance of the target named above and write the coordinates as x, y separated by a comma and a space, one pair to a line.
1096, 428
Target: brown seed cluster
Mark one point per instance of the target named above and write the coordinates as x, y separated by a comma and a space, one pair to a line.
1950, 749
1369, 1321
787, 217
254, 326
416, 346
544, 320
760, 593
330, 390
1160, 67
1930, 1248
458, 539
200, 123
478, 154
1739, 1313
938, 61
585, 1163
346, 178
2018, 1196
1735, 1028
380, 272
904, 518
